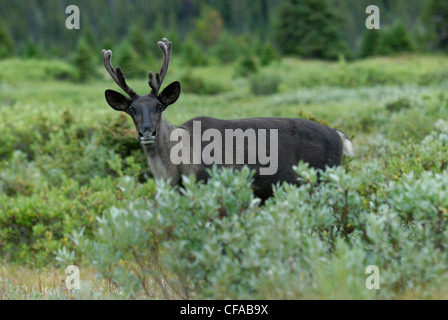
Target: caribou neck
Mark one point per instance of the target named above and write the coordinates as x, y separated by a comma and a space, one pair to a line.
158, 154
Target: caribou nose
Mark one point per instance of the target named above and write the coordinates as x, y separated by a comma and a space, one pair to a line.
147, 132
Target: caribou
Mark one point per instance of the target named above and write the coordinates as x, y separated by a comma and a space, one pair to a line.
193, 147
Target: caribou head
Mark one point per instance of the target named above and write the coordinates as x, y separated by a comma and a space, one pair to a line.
145, 110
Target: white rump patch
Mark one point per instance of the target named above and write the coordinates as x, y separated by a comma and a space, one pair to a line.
347, 146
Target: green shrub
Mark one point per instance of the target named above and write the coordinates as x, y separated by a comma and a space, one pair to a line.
247, 66
395, 39
267, 53
194, 55
228, 48
6, 42
31, 50
16, 174
191, 83
369, 43
207, 28
130, 61
33, 227
310, 28
84, 60
213, 241
264, 83
397, 105
434, 19
31, 70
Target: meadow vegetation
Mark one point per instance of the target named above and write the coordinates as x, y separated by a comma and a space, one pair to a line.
75, 187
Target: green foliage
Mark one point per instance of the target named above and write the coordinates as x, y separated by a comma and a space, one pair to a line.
158, 33
135, 56
192, 83
232, 47
115, 19
193, 55
247, 66
31, 50
372, 72
267, 53
309, 28
130, 61
84, 60
434, 18
369, 43
228, 48
215, 242
44, 197
386, 41
207, 28
16, 71
6, 42
394, 39
137, 40
264, 83
34, 227
402, 103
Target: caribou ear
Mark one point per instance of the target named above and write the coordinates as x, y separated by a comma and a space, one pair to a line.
170, 94
117, 101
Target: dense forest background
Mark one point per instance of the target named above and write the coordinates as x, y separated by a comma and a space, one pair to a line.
37, 27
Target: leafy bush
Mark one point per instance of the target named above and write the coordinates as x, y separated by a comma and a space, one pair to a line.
402, 103
6, 42
131, 61
192, 83
17, 70
193, 55
309, 28
267, 53
84, 60
213, 241
395, 39
228, 48
34, 227
434, 18
264, 83
247, 66
207, 28
369, 43
56, 176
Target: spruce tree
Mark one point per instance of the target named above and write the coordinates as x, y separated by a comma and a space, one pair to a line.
310, 28
6, 42
369, 43
395, 39
435, 20
84, 60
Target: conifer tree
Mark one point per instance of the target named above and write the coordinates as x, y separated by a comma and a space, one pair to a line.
84, 60
435, 20
310, 28
6, 42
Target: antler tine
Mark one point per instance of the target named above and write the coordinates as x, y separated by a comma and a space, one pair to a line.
116, 73
166, 47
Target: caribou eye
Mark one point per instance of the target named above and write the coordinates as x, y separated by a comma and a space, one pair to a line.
159, 108
132, 111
